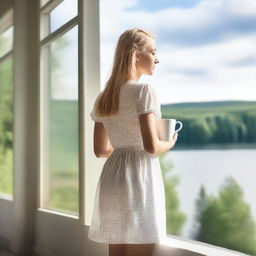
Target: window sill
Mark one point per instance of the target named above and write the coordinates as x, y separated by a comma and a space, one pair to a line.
199, 247
6, 197
58, 213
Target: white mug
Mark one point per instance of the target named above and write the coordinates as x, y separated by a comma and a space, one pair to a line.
167, 128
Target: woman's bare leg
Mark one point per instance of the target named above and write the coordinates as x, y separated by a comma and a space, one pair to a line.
139, 249
116, 249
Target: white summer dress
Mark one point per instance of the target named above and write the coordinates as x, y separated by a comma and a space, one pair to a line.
129, 206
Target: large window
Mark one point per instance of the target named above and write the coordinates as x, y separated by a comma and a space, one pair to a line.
59, 106
6, 105
206, 79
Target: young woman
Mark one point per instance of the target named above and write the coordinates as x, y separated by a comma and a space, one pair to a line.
129, 208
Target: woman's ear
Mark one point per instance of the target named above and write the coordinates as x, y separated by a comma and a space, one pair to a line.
137, 54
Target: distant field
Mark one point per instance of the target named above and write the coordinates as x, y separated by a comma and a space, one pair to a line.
204, 109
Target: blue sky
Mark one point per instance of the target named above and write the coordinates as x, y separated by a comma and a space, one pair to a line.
205, 47
153, 5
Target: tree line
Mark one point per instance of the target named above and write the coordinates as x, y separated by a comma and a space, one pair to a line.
236, 127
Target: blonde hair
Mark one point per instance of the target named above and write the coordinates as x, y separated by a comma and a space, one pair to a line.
129, 42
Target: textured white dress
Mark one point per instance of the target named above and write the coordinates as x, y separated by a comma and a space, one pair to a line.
129, 204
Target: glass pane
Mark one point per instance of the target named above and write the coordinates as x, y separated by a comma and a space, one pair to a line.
6, 127
6, 41
60, 123
62, 14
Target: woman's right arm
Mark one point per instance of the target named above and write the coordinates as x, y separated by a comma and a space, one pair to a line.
102, 145
149, 132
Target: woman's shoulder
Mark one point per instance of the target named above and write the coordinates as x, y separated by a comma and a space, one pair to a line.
138, 86
145, 88
132, 83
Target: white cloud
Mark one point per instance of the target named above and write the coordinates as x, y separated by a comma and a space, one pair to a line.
246, 7
197, 72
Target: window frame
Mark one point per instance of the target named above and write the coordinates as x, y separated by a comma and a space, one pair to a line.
44, 20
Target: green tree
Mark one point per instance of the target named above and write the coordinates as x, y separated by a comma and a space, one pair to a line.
6, 122
6, 106
174, 218
6, 171
202, 203
200, 130
226, 220
250, 121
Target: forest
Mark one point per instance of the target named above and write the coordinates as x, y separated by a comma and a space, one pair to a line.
206, 123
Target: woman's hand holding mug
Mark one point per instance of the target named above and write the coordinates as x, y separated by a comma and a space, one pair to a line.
167, 130
174, 138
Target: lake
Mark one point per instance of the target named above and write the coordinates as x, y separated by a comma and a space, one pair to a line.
210, 167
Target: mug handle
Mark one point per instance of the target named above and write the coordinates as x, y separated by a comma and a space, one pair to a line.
181, 125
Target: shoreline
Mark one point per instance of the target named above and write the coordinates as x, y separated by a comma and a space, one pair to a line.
215, 146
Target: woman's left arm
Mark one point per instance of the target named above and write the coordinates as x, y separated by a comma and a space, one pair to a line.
102, 146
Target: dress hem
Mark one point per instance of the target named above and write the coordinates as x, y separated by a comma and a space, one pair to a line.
105, 241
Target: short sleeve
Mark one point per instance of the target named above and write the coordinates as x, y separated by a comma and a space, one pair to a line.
148, 101
93, 115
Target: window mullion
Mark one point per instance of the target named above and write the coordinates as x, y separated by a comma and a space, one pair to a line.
6, 56
50, 6
60, 31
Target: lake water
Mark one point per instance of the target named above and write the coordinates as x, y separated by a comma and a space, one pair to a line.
210, 167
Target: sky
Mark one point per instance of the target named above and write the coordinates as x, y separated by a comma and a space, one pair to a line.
206, 48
